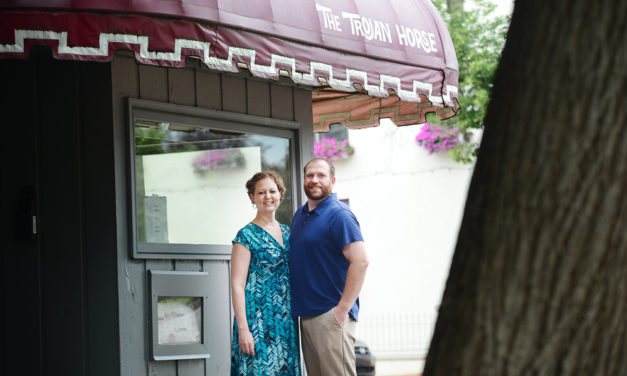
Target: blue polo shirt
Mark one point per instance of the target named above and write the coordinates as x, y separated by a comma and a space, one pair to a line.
317, 265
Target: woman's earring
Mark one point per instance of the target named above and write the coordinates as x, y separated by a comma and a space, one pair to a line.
254, 206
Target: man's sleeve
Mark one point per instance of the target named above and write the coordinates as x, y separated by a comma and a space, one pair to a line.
345, 229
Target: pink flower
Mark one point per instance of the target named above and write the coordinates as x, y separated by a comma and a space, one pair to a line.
331, 149
438, 138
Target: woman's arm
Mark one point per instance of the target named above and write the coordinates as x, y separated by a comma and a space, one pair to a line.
240, 260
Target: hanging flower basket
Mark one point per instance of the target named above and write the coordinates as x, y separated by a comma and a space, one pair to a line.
331, 149
212, 160
436, 137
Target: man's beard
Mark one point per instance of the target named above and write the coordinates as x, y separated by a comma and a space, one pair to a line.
324, 192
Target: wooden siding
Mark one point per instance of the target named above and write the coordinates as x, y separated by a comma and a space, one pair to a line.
199, 87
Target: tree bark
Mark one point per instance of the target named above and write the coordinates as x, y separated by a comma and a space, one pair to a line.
538, 282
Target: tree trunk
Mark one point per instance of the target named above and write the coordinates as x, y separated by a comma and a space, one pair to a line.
538, 282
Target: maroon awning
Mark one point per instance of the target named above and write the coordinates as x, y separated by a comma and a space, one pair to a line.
366, 59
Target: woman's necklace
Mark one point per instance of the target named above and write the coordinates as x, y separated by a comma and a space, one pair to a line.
267, 225
271, 228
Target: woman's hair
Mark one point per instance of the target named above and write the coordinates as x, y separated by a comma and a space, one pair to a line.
252, 182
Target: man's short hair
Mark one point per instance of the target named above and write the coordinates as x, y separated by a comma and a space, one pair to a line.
331, 166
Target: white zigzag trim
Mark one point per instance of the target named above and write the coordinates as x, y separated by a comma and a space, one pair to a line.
449, 90
228, 64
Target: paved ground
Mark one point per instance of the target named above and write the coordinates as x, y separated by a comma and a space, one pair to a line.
399, 367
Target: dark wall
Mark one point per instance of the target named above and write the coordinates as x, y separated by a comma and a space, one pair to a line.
73, 299
59, 286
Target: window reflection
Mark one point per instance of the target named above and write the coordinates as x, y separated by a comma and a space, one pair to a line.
179, 320
190, 181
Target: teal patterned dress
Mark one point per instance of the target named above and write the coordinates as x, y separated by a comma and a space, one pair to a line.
268, 308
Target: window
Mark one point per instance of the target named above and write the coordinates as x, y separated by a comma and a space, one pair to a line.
189, 175
180, 314
337, 131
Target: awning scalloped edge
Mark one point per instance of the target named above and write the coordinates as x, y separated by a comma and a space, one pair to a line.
108, 43
361, 111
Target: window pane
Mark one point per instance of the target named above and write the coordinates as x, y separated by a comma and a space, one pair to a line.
190, 181
180, 320
337, 131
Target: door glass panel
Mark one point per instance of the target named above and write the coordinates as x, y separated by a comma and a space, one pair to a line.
190, 181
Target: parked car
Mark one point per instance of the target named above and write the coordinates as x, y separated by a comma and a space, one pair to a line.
364, 359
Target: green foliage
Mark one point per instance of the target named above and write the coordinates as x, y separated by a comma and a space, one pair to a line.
478, 37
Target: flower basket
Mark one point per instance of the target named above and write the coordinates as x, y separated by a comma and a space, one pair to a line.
211, 160
331, 149
436, 137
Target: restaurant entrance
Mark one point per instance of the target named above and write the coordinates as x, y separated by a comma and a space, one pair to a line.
59, 273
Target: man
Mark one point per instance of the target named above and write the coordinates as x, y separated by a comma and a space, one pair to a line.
328, 264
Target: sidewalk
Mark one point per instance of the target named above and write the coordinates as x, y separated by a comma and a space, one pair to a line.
399, 367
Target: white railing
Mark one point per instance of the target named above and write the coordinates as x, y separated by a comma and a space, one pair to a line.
397, 336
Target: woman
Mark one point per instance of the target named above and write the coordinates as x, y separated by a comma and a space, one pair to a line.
264, 341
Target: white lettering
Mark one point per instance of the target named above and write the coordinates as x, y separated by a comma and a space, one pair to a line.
402, 38
336, 22
411, 37
352, 17
359, 30
424, 41
416, 34
331, 21
378, 35
368, 28
371, 29
387, 36
432, 40
416, 38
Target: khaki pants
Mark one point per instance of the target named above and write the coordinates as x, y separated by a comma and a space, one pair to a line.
328, 348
